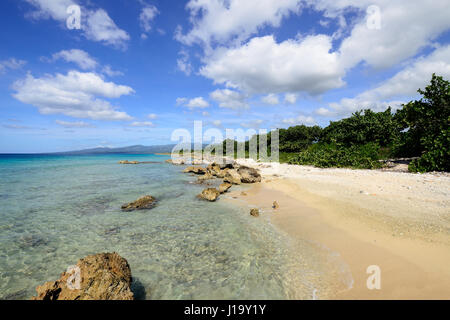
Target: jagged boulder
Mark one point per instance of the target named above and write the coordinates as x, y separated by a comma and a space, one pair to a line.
207, 176
196, 170
249, 175
210, 194
104, 276
143, 203
213, 169
224, 187
232, 176
222, 173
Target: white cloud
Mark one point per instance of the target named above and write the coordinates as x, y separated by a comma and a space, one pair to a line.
96, 24
264, 66
183, 62
152, 116
301, 119
406, 27
11, 64
205, 114
75, 94
220, 21
100, 27
79, 57
142, 124
271, 99
110, 72
198, 102
290, 98
229, 99
194, 103
79, 124
392, 92
148, 13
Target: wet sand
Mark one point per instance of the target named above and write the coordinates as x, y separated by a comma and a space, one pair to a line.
397, 221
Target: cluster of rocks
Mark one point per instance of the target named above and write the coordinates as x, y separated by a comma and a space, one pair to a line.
143, 203
104, 276
231, 173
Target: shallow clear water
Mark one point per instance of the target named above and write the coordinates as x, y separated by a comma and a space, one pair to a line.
55, 210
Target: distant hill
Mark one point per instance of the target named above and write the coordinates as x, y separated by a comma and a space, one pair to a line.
139, 149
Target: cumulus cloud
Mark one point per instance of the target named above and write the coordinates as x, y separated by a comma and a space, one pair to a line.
11, 64
148, 13
183, 63
265, 66
290, 98
417, 74
271, 99
78, 124
194, 103
74, 94
110, 72
152, 116
79, 57
96, 25
217, 21
229, 99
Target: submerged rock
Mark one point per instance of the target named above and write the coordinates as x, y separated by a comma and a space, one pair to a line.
146, 202
210, 194
224, 187
104, 276
249, 175
254, 212
232, 176
128, 162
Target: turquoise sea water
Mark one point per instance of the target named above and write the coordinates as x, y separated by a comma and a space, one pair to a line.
55, 210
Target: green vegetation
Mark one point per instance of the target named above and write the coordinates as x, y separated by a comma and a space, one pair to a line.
421, 129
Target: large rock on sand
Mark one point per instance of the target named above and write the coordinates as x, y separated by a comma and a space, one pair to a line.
249, 175
232, 176
210, 194
224, 187
146, 202
104, 276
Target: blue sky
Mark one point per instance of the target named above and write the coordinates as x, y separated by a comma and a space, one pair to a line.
138, 69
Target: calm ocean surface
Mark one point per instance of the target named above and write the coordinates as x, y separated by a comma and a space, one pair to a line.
55, 210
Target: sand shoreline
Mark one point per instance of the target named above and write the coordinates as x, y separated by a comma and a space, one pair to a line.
397, 221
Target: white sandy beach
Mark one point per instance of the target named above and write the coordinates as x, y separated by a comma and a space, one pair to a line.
397, 221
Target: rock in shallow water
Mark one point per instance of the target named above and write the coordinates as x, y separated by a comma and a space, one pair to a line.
146, 202
104, 276
254, 212
210, 194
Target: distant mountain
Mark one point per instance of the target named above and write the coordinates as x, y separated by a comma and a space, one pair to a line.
124, 150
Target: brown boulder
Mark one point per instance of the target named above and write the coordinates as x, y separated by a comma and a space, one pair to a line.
207, 176
249, 175
210, 194
224, 187
104, 276
254, 212
128, 162
196, 170
146, 202
213, 168
275, 205
232, 176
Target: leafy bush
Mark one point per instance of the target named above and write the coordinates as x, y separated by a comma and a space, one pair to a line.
325, 155
425, 126
362, 127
